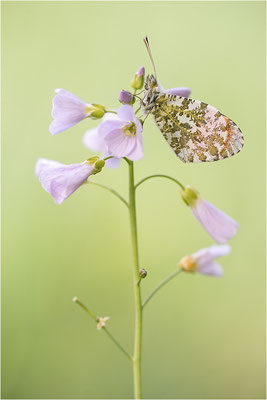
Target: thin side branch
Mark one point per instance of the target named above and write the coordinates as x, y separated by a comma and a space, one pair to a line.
92, 315
160, 176
111, 191
161, 284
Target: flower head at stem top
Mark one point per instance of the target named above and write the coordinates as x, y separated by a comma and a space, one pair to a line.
203, 260
122, 134
69, 110
219, 225
101, 322
62, 180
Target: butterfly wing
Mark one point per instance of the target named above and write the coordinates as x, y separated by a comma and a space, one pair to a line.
196, 131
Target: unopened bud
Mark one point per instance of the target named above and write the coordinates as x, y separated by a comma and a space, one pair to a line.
142, 273
190, 196
138, 80
126, 97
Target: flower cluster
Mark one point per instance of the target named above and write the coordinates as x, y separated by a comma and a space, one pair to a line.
120, 135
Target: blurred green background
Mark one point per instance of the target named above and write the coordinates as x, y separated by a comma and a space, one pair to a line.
203, 337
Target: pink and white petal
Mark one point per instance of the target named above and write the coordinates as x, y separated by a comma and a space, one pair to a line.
61, 181
44, 163
204, 256
139, 126
108, 126
93, 141
67, 101
220, 226
119, 145
58, 125
126, 113
110, 116
211, 268
138, 151
112, 163
179, 91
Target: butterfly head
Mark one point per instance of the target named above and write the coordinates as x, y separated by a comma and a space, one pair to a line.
151, 82
151, 94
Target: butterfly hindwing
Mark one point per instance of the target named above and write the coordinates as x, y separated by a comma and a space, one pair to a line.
196, 131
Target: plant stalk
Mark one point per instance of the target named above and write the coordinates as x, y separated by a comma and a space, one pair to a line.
138, 301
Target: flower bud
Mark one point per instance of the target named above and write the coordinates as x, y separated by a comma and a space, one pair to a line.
190, 196
142, 273
126, 97
95, 111
138, 80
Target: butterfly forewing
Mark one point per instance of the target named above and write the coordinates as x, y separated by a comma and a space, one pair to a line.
196, 131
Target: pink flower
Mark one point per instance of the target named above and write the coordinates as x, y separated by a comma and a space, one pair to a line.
62, 180
68, 110
122, 134
96, 142
203, 260
219, 225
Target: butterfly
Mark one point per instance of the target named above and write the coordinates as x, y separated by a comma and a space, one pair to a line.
195, 131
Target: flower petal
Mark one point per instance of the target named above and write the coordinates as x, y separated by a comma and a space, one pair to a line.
210, 268
220, 226
67, 111
119, 145
126, 113
207, 255
113, 162
93, 141
108, 126
138, 151
61, 180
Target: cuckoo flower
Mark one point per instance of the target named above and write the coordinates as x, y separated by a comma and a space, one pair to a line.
219, 225
96, 142
122, 134
68, 110
203, 260
62, 180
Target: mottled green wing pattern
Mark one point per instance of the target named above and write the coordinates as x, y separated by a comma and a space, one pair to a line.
196, 131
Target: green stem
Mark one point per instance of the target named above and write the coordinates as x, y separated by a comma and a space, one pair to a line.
110, 190
161, 284
138, 302
117, 343
160, 176
92, 315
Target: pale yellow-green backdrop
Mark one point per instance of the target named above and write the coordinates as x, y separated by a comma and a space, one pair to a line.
203, 337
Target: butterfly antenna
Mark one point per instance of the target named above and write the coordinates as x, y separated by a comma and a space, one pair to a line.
150, 54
